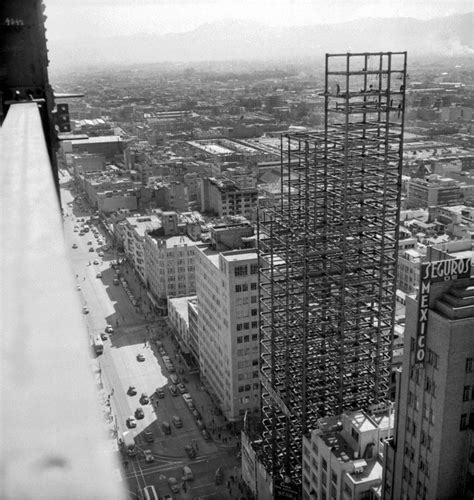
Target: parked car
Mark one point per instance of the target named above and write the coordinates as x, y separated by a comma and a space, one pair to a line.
116, 281
206, 435
96, 262
131, 391
188, 400
173, 390
200, 425
131, 423
103, 336
144, 400
160, 392
109, 329
177, 421
174, 378
166, 427
140, 357
181, 388
161, 351
139, 414
98, 275
149, 438
148, 455
196, 414
173, 484
85, 310
91, 249
190, 451
74, 245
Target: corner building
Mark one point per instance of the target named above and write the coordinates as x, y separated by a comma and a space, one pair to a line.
227, 299
432, 454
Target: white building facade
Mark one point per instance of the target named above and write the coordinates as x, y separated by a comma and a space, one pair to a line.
227, 297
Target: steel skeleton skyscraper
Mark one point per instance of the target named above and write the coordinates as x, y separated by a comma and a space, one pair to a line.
328, 254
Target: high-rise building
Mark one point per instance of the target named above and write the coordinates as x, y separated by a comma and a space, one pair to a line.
432, 453
327, 255
227, 299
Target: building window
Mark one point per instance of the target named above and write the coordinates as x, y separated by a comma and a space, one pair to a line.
238, 288
469, 365
253, 286
463, 422
324, 465
239, 339
334, 477
254, 324
253, 268
355, 434
254, 312
254, 336
240, 270
246, 338
466, 393
245, 287
315, 448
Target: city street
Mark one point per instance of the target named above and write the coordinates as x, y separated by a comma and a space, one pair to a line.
117, 368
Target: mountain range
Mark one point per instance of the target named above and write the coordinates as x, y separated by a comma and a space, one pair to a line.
246, 40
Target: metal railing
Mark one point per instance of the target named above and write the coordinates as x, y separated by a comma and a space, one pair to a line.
53, 438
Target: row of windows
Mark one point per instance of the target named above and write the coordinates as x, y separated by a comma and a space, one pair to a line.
246, 338
246, 326
468, 393
244, 287
243, 270
248, 387
464, 423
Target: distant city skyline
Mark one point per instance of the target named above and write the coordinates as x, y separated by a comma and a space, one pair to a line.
70, 19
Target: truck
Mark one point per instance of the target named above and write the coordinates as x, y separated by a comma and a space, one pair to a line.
129, 443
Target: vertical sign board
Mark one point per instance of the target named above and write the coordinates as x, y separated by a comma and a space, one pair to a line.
432, 272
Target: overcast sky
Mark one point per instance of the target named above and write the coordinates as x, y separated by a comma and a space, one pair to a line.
83, 18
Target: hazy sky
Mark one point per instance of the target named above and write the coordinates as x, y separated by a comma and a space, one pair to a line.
83, 18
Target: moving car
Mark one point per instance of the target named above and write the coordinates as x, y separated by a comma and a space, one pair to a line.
139, 414
177, 422
98, 275
131, 423
74, 245
96, 262
131, 391
173, 484
140, 357
85, 310
219, 476
103, 336
109, 329
144, 400
89, 242
187, 473
91, 249
173, 390
101, 254
190, 451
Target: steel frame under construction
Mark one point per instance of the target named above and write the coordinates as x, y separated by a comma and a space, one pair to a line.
328, 254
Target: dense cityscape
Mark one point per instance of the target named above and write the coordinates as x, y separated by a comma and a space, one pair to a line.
274, 265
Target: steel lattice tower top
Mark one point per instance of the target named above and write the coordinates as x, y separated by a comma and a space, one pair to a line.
328, 254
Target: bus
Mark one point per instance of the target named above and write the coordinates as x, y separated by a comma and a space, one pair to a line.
98, 345
149, 493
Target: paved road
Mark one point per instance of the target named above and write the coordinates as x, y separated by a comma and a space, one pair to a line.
117, 369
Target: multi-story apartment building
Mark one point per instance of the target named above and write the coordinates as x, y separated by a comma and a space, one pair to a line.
169, 263
433, 191
224, 197
135, 229
432, 454
342, 456
227, 298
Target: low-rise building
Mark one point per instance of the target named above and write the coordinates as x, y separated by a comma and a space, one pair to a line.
342, 457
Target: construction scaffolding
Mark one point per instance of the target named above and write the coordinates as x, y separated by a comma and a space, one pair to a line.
328, 256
